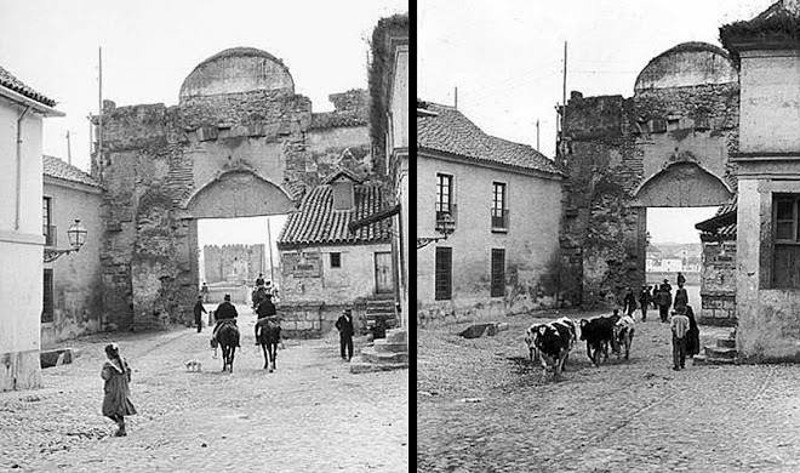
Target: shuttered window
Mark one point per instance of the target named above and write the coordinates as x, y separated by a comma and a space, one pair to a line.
444, 274
498, 272
786, 256
47, 306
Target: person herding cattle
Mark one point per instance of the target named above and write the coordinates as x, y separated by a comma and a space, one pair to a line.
679, 326
629, 302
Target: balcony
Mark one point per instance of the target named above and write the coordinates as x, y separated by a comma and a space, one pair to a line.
446, 219
500, 220
50, 233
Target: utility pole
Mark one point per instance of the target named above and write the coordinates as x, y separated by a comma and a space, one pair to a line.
456, 98
537, 135
269, 244
100, 108
69, 150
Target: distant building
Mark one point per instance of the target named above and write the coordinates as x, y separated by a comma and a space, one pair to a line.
73, 284
501, 201
325, 267
21, 240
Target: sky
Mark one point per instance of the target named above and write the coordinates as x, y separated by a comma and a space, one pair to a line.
150, 46
506, 59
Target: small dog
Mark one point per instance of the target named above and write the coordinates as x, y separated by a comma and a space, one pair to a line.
193, 365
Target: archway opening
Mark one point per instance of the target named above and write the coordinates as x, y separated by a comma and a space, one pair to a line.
674, 246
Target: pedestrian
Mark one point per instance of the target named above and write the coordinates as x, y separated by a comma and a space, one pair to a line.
225, 313
681, 298
199, 310
116, 402
260, 280
664, 301
345, 327
644, 301
679, 326
629, 302
692, 335
654, 291
681, 279
204, 292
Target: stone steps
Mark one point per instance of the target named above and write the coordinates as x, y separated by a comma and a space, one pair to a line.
717, 352
371, 355
385, 354
723, 352
704, 360
384, 346
726, 343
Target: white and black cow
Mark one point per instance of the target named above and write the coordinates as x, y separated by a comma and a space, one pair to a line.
530, 340
599, 334
623, 335
553, 341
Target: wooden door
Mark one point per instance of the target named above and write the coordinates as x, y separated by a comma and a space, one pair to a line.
383, 272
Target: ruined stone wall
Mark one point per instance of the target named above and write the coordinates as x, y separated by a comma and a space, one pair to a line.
156, 158
718, 283
220, 261
612, 146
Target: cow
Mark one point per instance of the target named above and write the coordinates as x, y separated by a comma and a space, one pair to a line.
598, 333
530, 340
553, 342
623, 335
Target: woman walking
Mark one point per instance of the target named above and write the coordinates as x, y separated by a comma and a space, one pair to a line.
117, 375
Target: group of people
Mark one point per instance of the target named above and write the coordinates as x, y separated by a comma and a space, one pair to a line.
685, 333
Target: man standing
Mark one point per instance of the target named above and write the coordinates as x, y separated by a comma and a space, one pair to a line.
629, 303
260, 280
681, 298
679, 326
199, 310
345, 327
664, 301
644, 301
681, 279
204, 292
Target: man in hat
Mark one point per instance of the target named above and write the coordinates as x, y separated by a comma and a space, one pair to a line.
345, 327
266, 308
199, 310
225, 312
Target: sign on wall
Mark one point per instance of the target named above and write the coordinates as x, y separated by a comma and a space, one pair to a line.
302, 264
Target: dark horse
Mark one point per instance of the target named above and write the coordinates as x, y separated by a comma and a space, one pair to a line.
228, 337
268, 335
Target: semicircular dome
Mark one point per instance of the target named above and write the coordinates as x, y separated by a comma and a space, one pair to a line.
237, 70
687, 64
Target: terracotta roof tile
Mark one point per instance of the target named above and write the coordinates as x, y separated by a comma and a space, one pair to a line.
317, 223
445, 129
8, 80
56, 168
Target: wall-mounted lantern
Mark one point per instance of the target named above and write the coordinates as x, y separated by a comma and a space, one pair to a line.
77, 237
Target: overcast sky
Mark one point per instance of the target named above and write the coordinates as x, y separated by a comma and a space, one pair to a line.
506, 58
150, 46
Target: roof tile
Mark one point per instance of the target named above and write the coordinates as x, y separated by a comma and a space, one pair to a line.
56, 168
8, 80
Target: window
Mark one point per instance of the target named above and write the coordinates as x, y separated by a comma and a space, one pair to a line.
444, 195
48, 230
47, 306
498, 272
786, 255
444, 274
499, 210
336, 260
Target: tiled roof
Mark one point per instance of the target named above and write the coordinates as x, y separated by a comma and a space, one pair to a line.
58, 169
317, 223
449, 131
723, 223
8, 80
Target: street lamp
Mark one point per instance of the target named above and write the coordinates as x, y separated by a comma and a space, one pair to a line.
77, 237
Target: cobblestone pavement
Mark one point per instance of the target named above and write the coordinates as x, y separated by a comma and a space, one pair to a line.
310, 415
483, 407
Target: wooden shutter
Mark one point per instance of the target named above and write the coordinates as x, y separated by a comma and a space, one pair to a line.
444, 274
498, 272
47, 307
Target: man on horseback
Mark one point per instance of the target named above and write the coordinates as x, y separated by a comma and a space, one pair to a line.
268, 330
225, 314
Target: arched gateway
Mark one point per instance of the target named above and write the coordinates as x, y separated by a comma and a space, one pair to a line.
667, 146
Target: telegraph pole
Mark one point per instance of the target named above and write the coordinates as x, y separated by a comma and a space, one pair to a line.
100, 108
537, 135
69, 150
269, 244
456, 98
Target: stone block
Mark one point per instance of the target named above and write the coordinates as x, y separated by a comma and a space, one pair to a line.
304, 325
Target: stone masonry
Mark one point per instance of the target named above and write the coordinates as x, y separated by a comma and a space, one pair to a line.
216, 154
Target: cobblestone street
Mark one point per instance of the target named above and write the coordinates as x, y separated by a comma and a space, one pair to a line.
483, 407
310, 415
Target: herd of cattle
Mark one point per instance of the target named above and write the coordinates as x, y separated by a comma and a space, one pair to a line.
553, 341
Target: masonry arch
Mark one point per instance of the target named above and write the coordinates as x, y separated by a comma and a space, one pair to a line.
682, 184
238, 193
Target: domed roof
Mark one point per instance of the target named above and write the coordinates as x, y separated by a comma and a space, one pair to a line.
687, 64
237, 70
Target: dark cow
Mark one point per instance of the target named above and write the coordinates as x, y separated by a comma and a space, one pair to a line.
623, 335
553, 341
598, 333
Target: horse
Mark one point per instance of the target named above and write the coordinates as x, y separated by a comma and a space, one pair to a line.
268, 335
228, 337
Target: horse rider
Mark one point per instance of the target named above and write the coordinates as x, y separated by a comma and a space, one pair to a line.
225, 313
272, 289
266, 308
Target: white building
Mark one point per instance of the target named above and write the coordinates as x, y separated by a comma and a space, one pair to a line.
21, 237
